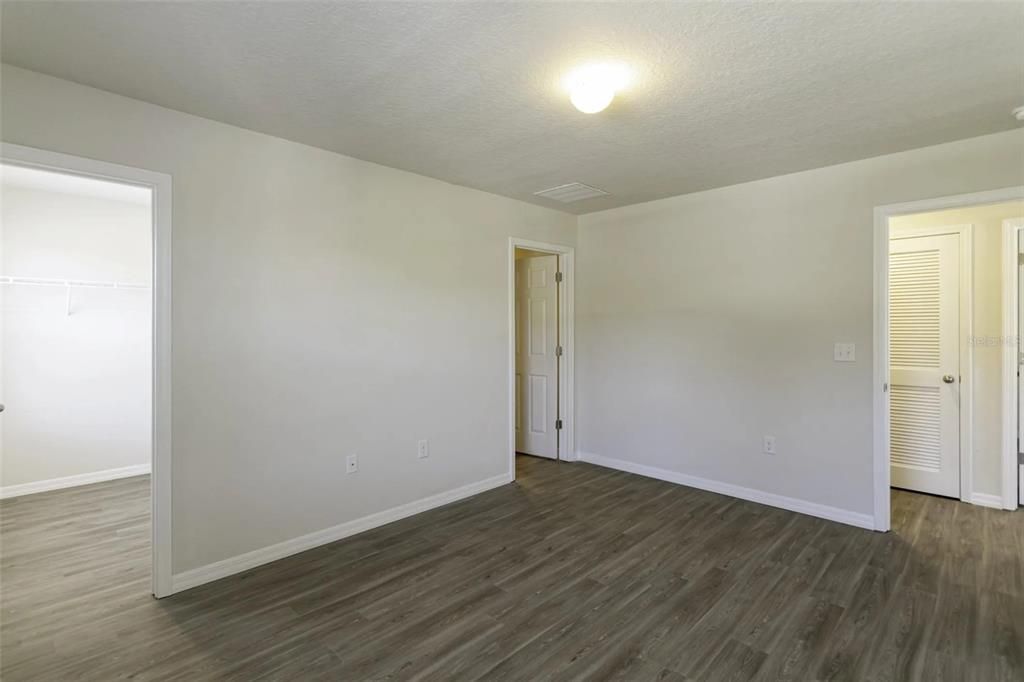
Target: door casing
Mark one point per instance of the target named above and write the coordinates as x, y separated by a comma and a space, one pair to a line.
160, 185
882, 511
1013, 230
566, 332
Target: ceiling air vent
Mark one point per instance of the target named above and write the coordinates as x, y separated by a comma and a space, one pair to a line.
574, 191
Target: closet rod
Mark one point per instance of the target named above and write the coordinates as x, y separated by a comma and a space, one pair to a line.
48, 282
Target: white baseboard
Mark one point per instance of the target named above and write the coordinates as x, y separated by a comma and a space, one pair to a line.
986, 500
72, 481
258, 557
771, 499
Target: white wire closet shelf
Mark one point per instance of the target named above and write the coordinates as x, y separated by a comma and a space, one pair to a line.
51, 282
70, 284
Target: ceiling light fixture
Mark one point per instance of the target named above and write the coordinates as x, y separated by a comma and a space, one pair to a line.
592, 87
1019, 113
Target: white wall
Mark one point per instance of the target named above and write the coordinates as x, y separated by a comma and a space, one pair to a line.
988, 320
76, 387
706, 321
322, 306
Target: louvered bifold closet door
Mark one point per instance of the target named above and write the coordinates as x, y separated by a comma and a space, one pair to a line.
924, 352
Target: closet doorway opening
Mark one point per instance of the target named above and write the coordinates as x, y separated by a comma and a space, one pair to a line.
85, 368
540, 351
947, 350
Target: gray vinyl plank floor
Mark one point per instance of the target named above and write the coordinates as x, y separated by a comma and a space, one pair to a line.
574, 572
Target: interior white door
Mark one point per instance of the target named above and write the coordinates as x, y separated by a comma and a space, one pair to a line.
924, 351
536, 359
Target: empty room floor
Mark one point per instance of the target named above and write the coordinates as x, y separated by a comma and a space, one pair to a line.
573, 572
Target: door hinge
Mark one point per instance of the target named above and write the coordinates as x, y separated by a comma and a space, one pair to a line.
558, 424
885, 388
558, 276
558, 351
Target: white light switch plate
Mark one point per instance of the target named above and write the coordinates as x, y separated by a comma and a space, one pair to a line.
846, 352
351, 464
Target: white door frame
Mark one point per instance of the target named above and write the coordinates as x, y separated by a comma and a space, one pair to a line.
160, 184
880, 454
1010, 338
965, 329
566, 332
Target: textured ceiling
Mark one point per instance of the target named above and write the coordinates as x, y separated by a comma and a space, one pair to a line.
469, 92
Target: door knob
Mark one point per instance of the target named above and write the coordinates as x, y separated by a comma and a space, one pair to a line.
948, 378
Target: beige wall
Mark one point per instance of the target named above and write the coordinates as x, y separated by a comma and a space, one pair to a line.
987, 323
321, 306
527, 253
708, 320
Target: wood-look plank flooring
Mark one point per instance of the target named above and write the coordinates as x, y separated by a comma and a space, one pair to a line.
573, 572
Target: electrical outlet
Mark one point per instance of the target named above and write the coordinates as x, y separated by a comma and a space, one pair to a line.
351, 464
845, 352
769, 445
423, 449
